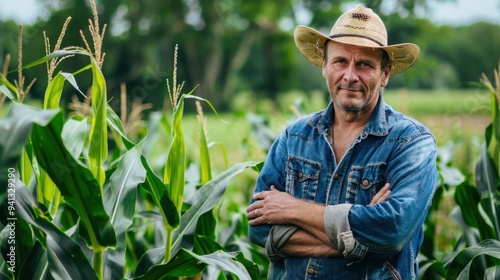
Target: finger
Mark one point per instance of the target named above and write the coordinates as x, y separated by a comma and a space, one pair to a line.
252, 207
381, 195
253, 214
261, 195
256, 196
385, 196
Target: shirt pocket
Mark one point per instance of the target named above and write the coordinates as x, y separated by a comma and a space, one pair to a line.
364, 182
302, 177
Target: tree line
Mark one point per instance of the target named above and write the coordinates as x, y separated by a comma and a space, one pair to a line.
231, 46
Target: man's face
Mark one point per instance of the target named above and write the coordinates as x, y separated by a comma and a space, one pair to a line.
354, 76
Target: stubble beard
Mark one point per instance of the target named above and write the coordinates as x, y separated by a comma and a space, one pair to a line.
353, 107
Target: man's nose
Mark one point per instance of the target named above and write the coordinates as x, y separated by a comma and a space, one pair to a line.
351, 74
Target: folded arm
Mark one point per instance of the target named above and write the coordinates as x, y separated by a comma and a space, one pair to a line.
280, 208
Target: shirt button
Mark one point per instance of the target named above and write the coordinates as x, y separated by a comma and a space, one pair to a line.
300, 174
365, 182
311, 271
336, 176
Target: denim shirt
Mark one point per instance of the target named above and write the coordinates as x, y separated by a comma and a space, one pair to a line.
379, 241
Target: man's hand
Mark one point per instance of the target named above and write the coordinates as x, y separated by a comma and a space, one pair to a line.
381, 195
274, 207
271, 207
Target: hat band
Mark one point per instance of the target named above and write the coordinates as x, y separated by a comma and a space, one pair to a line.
356, 35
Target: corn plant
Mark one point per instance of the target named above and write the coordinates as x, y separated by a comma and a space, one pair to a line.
72, 208
477, 253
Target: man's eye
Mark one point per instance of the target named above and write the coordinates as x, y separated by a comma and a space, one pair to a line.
365, 65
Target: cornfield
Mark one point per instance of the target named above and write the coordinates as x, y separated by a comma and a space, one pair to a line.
92, 195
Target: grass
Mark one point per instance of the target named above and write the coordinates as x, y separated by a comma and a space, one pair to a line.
420, 103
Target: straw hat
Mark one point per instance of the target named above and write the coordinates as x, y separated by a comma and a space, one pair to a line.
359, 26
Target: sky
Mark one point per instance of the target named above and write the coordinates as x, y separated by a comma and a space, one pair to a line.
452, 12
463, 12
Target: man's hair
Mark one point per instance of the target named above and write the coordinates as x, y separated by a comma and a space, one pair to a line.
385, 56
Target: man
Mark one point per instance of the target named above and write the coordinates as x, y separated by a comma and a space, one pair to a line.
344, 192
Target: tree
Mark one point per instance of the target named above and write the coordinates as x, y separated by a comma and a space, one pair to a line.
225, 45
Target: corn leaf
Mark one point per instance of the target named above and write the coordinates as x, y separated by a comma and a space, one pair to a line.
459, 266
468, 199
493, 144
14, 130
188, 264
46, 58
206, 170
430, 268
15, 127
206, 198
175, 166
76, 183
190, 96
23, 236
183, 264
25, 165
65, 257
204, 245
121, 207
492, 272
74, 135
156, 188
98, 146
206, 223
47, 192
203, 201
35, 264
8, 90
115, 123
54, 90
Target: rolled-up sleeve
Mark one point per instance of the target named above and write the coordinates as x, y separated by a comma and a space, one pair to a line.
337, 228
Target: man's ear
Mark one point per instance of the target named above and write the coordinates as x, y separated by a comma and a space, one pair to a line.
386, 75
323, 69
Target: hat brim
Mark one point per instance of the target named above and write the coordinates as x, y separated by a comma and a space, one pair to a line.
310, 43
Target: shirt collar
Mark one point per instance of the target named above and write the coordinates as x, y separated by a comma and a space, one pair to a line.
377, 125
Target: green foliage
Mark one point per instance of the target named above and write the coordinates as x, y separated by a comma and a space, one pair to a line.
84, 204
477, 253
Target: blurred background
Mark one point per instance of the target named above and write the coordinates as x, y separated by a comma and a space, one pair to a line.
229, 47
240, 56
